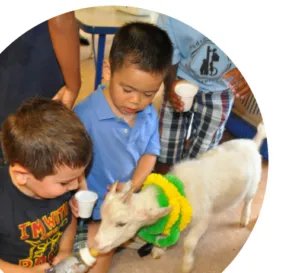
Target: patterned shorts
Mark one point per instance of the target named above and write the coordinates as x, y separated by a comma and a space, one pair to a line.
204, 124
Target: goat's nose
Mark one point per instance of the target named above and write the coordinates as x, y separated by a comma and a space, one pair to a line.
103, 246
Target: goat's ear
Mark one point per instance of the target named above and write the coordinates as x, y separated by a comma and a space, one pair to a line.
127, 195
160, 212
126, 186
154, 214
114, 187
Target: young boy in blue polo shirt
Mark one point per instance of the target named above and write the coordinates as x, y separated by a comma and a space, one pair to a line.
119, 117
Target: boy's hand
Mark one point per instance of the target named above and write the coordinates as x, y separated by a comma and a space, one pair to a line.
61, 256
38, 268
121, 187
73, 202
175, 99
74, 206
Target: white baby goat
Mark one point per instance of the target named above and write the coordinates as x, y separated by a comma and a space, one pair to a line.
216, 180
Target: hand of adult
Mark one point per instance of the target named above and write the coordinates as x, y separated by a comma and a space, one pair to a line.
64, 34
237, 83
66, 96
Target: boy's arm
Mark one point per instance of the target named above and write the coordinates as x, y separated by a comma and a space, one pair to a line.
64, 35
170, 82
170, 78
144, 168
13, 268
67, 241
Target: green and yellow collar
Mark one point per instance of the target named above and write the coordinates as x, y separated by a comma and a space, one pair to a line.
170, 192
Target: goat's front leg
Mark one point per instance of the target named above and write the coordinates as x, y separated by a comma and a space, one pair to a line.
190, 242
157, 252
137, 243
134, 243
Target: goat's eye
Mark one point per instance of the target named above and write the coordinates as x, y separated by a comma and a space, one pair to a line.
120, 224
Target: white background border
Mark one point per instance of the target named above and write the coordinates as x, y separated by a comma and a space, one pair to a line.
261, 38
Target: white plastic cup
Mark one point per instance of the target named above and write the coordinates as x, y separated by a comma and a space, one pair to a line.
187, 92
86, 200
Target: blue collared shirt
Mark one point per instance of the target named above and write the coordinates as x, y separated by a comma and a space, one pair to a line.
117, 147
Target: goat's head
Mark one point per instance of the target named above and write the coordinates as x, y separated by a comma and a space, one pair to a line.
122, 218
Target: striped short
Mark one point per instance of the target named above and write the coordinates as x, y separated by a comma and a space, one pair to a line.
207, 119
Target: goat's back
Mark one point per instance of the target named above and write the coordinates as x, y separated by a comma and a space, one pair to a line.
222, 176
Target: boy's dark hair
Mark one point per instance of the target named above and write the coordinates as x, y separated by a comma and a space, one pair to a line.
42, 135
144, 45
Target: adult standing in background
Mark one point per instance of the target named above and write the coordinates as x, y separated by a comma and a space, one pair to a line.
199, 61
44, 62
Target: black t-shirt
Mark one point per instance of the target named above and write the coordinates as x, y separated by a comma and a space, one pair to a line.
30, 229
28, 68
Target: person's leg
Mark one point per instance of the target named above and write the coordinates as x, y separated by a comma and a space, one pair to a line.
173, 130
103, 261
211, 112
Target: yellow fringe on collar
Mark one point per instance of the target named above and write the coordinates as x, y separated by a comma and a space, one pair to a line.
180, 205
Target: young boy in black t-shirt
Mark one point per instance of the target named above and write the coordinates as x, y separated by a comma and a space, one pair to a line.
47, 150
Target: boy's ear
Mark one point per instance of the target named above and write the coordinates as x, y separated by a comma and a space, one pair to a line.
106, 71
20, 174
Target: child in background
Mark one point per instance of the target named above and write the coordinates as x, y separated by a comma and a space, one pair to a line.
120, 118
47, 149
199, 61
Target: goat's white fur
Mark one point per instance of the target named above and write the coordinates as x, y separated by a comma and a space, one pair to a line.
214, 181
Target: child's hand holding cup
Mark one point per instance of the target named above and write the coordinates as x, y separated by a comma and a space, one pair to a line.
85, 201
187, 92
